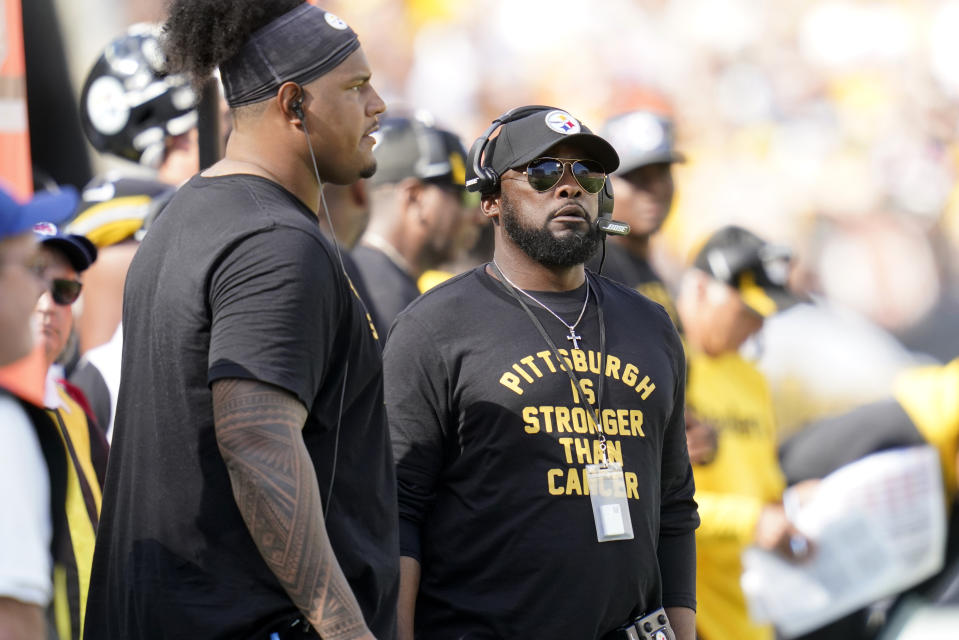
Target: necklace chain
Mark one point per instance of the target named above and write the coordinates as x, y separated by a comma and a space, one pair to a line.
572, 327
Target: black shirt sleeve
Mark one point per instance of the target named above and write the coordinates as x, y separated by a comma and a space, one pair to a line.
415, 385
271, 317
678, 515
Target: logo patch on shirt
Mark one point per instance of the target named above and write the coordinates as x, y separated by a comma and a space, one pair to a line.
334, 21
562, 122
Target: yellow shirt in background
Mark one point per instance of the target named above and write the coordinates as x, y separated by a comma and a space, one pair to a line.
732, 395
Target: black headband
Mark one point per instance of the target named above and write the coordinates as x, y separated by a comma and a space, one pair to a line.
299, 46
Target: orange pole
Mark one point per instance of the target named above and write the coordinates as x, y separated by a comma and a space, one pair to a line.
15, 169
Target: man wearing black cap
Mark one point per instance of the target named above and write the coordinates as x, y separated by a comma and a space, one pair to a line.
66, 257
737, 279
251, 490
416, 198
537, 418
643, 184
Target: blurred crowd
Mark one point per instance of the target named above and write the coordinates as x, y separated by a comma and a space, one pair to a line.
828, 126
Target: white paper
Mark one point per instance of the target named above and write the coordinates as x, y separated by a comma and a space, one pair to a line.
878, 526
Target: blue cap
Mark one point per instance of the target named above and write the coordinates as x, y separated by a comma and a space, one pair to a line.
45, 206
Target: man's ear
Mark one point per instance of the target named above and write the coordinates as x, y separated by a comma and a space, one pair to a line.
490, 207
289, 99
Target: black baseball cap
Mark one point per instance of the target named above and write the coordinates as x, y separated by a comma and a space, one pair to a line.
80, 252
757, 269
528, 138
642, 138
411, 148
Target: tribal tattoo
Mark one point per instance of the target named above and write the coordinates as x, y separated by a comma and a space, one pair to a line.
274, 484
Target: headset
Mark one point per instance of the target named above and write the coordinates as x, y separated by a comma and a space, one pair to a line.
487, 182
296, 106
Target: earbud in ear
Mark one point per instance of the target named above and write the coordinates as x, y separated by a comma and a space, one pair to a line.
297, 108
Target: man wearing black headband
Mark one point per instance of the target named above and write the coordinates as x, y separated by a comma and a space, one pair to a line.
537, 419
251, 490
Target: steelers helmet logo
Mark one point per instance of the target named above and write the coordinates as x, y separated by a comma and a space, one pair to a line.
562, 122
334, 21
107, 105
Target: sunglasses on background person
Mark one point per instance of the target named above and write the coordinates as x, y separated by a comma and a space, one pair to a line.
544, 173
65, 292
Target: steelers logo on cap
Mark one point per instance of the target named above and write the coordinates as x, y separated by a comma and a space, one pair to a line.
645, 131
562, 122
335, 22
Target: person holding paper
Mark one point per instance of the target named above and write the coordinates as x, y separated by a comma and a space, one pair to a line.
737, 279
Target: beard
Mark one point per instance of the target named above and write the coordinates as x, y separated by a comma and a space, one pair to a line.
545, 248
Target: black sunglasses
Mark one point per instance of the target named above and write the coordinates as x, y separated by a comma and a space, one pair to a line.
65, 292
544, 173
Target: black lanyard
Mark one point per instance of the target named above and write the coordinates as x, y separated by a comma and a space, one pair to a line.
574, 379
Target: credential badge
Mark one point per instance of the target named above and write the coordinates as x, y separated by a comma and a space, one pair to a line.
562, 122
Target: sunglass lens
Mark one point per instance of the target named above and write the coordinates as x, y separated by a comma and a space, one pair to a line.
590, 175
544, 173
65, 292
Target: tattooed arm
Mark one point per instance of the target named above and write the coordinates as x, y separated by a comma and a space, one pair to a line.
274, 484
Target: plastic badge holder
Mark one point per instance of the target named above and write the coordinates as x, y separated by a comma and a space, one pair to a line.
607, 492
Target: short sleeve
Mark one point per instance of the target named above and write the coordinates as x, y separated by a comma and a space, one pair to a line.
273, 301
25, 528
416, 385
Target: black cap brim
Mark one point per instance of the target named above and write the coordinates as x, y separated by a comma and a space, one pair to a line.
80, 252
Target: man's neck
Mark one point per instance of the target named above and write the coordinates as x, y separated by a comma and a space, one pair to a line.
245, 155
528, 274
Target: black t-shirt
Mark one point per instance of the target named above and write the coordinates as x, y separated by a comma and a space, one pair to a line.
390, 288
235, 280
635, 272
491, 446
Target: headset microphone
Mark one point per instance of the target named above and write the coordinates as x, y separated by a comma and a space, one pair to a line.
605, 222
613, 227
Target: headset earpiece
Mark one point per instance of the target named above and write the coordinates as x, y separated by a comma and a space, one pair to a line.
606, 199
485, 181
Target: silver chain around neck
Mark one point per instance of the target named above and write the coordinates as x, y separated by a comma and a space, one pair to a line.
573, 336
